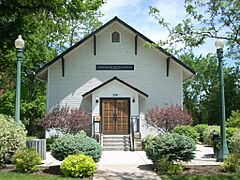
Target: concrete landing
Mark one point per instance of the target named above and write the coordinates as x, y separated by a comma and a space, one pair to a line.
122, 165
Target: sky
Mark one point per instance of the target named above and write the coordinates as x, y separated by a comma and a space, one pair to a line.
136, 14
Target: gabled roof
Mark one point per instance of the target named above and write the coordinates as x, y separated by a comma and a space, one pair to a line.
119, 80
101, 28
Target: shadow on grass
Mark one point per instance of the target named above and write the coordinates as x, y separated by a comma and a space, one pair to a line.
215, 177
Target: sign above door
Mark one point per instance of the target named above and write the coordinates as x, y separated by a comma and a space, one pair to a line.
114, 67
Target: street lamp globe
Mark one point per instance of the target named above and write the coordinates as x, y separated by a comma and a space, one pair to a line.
19, 42
219, 44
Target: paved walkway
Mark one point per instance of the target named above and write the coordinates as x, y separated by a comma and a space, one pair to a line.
203, 156
123, 165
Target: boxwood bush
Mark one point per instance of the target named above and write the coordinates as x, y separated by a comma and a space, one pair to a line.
186, 130
78, 165
74, 144
26, 160
172, 145
12, 138
200, 128
207, 134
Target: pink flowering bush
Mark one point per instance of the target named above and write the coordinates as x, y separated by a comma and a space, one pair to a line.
167, 118
68, 120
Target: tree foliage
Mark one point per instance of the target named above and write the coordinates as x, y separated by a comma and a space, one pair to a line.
201, 93
205, 19
68, 120
166, 119
234, 119
48, 27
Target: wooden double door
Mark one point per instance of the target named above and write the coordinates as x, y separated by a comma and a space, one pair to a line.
115, 115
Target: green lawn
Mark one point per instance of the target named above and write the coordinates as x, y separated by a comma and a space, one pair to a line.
18, 176
218, 177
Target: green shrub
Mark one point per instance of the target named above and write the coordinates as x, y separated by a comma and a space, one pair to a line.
200, 128
49, 142
235, 143
26, 160
173, 145
186, 130
230, 132
166, 167
12, 138
74, 144
208, 138
232, 163
234, 119
208, 134
78, 165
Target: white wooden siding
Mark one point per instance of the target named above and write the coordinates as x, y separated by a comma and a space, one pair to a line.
149, 73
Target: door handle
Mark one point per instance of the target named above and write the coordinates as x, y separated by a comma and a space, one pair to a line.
115, 117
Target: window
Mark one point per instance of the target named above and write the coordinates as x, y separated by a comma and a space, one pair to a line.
115, 37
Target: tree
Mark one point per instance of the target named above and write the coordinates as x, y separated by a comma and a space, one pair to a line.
48, 27
67, 120
234, 119
166, 119
205, 19
201, 93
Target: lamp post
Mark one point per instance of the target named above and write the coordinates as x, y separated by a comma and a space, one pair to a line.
19, 44
223, 151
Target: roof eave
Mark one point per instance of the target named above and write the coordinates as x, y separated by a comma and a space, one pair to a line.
102, 27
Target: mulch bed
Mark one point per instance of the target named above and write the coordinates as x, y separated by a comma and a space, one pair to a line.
189, 170
203, 170
52, 170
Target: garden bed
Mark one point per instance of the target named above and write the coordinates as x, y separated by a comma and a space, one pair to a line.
195, 170
203, 170
51, 171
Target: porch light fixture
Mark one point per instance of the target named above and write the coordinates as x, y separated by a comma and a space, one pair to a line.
223, 150
19, 44
97, 99
133, 99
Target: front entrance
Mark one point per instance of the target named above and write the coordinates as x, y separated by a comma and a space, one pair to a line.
115, 115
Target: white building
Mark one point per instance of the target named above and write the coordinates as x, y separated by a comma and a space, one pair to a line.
114, 76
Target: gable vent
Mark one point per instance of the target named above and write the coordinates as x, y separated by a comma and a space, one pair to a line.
115, 37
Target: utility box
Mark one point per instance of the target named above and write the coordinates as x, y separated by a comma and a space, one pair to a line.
39, 145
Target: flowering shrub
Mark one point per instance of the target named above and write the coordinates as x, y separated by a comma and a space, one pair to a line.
167, 118
69, 120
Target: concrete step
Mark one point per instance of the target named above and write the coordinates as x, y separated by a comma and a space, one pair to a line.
116, 143
117, 137
116, 149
